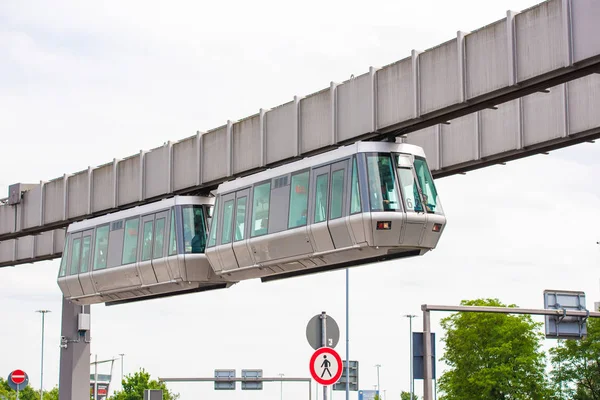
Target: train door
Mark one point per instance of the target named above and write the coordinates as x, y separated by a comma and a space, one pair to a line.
225, 236
85, 265
145, 244
159, 247
241, 248
72, 279
173, 260
416, 218
319, 209
338, 210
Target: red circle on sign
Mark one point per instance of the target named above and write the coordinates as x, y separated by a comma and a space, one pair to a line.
337, 375
17, 376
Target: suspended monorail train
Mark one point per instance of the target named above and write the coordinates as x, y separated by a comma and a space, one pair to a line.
358, 204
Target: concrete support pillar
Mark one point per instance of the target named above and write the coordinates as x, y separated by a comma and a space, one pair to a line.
74, 381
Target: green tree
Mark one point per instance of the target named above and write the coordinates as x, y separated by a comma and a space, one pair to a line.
28, 393
134, 386
576, 365
492, 356
406, 396
52, 394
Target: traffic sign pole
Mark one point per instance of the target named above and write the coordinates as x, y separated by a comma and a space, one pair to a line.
324, 343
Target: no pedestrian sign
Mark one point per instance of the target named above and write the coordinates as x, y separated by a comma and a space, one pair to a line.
326, 366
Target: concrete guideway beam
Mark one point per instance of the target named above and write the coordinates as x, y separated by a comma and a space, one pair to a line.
535, 50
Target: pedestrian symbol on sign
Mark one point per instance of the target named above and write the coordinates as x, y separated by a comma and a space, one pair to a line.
326, 364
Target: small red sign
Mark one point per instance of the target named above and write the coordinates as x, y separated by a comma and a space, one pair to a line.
18, 376
326, 366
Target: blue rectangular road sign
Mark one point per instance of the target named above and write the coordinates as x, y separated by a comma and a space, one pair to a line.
367, 394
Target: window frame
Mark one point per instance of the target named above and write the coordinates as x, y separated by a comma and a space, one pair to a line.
125, 235
353, 172
253, 234
308, 193
341, 192
245, 195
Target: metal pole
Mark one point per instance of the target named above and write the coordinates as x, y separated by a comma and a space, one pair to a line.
378, 387
427, 373
122, 354
324, 342
96, 378
43, 312
412, 380
281, 389
18, 391
347, 334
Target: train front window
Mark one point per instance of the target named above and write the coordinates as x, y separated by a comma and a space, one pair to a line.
194, 229
382, 186
75, 257
409, 189
428, 189
63, 261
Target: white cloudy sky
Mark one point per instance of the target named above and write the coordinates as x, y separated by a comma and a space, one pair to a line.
82, 82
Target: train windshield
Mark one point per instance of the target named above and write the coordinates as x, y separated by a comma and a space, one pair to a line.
382, 183
194, 229
428, 189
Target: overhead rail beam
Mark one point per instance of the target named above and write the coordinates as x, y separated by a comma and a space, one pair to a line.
534, 124
460, 81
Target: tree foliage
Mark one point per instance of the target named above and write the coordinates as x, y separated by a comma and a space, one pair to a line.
492, 356
134, 386
576, 365
29, 393
406, 396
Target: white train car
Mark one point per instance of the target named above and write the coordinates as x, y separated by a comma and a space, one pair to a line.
148, 251
359, 204
362, 203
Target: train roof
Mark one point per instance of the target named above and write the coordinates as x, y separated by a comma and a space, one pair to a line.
139, 210
316, 160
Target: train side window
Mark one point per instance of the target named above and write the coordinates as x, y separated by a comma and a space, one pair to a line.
159, 238
240, 218
172, 238
130, 241
355, 196
298, 200
212, 240
337, 194
260, 209
194, 229
227, 220
65, 254
75, 257
321, 198
101, 248
147, 241
85, 254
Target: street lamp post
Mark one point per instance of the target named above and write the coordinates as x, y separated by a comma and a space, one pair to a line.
122, 354
378, 387
281, 389
43, 312
412, 381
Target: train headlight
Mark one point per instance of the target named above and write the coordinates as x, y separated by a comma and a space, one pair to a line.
384, 225
437, 227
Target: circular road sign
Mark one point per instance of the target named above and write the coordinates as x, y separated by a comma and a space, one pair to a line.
313, 332
18, 379
326, 366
